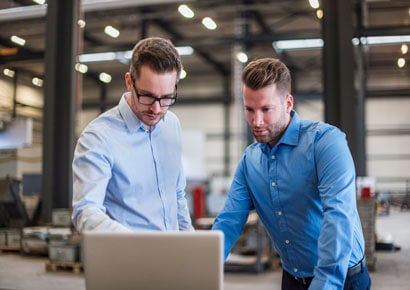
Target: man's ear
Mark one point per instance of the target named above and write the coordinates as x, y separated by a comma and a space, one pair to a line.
289, 103
128, 81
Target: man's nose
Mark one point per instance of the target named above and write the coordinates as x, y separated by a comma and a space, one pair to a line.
156, 107
257, 119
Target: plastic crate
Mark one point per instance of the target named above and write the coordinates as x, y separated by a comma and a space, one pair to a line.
63, 251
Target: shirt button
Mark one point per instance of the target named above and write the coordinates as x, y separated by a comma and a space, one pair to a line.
273, 157
273, 183
295, 270
279, 212
287, 241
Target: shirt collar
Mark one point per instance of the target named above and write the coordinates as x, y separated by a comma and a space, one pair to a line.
291, 136
131, 121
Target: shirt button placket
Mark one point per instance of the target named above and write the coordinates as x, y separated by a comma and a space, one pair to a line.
273, 183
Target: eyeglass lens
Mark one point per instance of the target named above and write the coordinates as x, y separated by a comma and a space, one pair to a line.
149, 100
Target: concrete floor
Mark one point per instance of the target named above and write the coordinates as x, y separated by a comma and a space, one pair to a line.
392, 269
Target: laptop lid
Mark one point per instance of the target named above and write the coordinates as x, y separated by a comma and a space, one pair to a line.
153, 260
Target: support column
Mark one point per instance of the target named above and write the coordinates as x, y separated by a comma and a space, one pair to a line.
240, 128
343, 105
227, 131
59, 105
238, 123
361, 80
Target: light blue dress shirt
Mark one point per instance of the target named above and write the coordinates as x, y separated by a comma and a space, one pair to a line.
304, 192
126, 178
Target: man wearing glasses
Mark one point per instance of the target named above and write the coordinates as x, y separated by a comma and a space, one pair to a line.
127, 167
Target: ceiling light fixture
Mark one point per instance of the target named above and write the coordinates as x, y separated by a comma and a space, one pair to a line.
111, 31
314, 4
319, 13
80, 67
387, 39
81, 23
242, 57
185, 50
18, 40
298, 44
186, 11
318, 42
124, 55
105, 78
37, 82
401, 62
362, 40
96, 57
209, 23
404, 48
40, 2
183, 74
8, 72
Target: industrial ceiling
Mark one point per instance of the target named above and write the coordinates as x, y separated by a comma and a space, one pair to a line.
242, 25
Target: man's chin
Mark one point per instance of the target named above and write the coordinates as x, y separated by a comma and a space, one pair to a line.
261, 139
151, 122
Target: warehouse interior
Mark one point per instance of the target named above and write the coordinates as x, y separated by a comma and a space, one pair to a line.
61, 68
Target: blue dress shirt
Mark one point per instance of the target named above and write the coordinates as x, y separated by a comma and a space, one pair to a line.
126, 178
304, 192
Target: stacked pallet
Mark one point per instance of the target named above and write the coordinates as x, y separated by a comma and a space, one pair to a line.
367, 209
10, 239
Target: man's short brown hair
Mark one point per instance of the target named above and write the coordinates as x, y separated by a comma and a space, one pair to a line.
267, 71
159, 54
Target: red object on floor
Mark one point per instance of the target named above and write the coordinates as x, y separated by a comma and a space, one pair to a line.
198, 193
366, 192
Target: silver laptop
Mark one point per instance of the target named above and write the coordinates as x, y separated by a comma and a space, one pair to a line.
153, 260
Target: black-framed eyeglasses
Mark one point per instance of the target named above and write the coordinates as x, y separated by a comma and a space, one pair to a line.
148, 100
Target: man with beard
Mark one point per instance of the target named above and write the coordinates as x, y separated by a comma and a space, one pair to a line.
299, 177
127, 167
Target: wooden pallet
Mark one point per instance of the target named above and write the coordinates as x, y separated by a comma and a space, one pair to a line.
75, 267
8, 249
